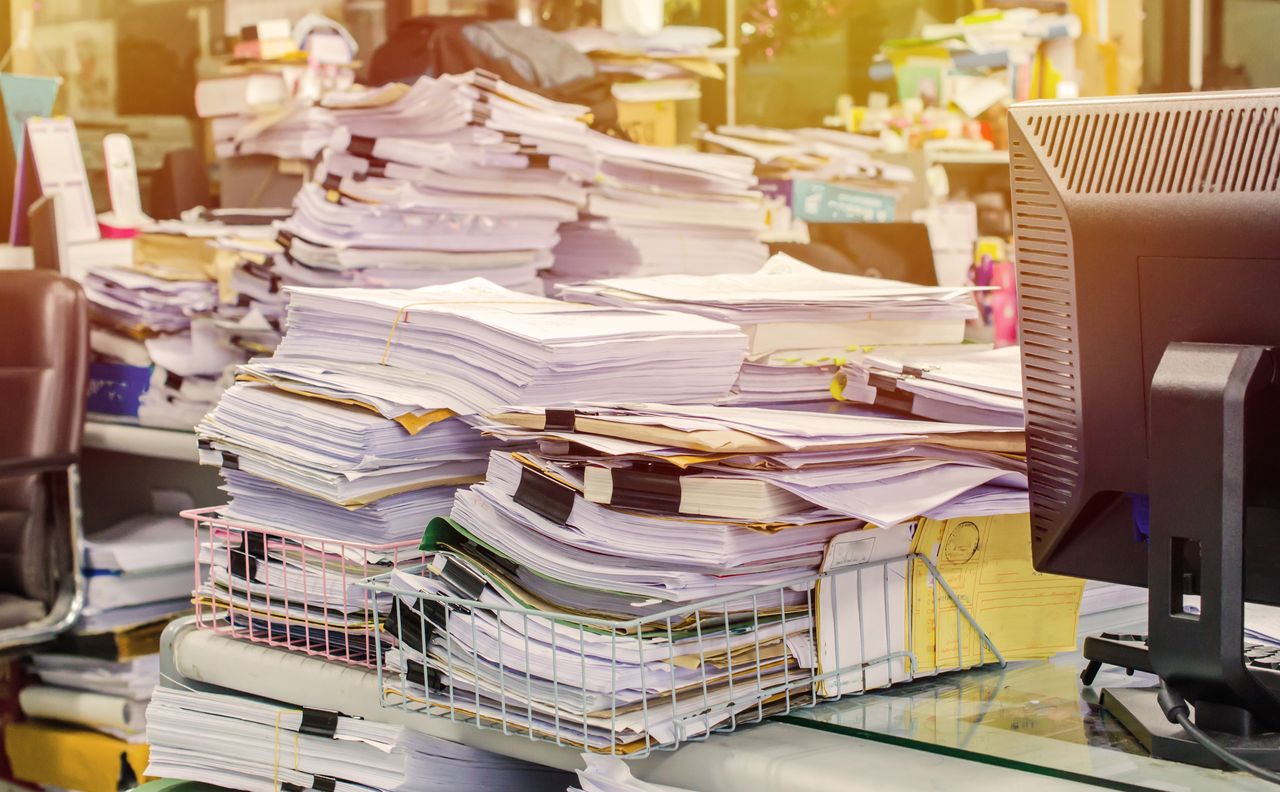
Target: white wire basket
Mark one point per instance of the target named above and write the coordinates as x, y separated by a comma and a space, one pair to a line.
627, 687
290, 589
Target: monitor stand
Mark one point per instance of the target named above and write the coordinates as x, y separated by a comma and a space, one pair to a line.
1213, 423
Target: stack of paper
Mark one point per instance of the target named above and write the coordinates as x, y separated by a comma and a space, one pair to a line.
657, 210
169, 311
941, 384
802, 323
239, 742
100, 675
334, 470
143, 561
674, 52
108, 696
627, 510
473, 346
881, 470
592, 686
436, 182
822, 154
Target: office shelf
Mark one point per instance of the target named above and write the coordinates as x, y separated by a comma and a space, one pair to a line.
144, 441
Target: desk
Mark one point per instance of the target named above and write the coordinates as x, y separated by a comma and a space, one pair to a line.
1034, 716
957, 732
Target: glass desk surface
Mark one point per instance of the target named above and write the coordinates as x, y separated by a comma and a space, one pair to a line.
1031, 715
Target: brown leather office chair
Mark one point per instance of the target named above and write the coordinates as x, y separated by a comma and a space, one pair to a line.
44, 361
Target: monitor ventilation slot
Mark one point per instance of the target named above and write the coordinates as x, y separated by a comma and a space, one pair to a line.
1046, 295
1221, 150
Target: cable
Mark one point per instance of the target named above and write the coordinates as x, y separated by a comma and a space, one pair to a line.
1176, 710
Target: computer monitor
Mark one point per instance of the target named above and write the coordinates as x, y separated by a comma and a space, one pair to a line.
1147, 232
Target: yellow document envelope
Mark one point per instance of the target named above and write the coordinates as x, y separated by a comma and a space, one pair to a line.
70, 757
987, 562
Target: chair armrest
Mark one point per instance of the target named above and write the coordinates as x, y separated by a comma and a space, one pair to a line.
26, 465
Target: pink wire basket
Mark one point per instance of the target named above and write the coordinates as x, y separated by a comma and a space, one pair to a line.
291, 589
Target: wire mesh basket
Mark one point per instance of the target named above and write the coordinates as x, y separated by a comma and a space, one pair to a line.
460, 646
289, 589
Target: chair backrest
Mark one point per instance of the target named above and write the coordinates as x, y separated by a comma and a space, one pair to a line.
44, 363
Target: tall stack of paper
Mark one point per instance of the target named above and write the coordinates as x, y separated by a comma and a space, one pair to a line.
802, 323
436, 182
239, 742
657, 210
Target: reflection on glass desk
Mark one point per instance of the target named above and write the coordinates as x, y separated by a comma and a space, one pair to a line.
1032, 715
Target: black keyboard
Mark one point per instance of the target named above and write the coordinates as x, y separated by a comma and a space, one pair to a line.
1129, 651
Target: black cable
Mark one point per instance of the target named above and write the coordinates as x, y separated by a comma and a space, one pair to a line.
1176, 710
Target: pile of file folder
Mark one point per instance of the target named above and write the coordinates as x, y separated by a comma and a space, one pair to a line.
802, 323
645, 573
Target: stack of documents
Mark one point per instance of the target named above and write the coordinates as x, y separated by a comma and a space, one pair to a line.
821, 154
641, 512
108, 696
510, 661
161, 315
143, 562
802, 323
473, 346
326, 492
436, 182
674, 52
240, 742
101, 673
655, 210
339, 471
882, 470
943, 384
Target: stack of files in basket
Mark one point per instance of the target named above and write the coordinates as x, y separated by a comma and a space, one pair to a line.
944, 384
656, 210
883, 470
482, 636
471, 347
241, 742
436, 182
801, 322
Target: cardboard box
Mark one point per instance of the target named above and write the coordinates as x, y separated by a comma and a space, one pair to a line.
649, 123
